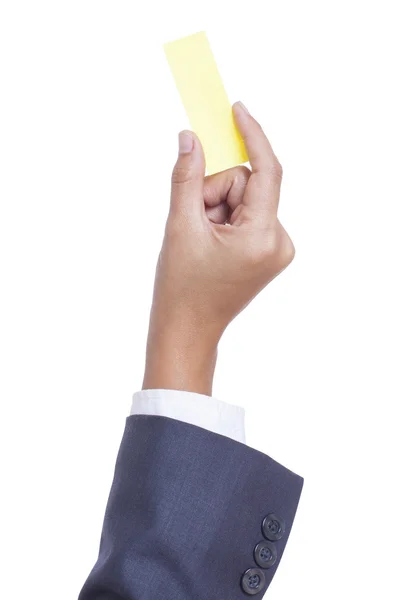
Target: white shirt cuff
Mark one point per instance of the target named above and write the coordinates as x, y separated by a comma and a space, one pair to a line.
195, 409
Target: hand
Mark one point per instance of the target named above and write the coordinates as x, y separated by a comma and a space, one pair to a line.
223, 244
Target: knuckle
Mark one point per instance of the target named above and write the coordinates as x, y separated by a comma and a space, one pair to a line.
258, 126
266, 250
242, 175
290, 251
277, 248
287, 250
276, 170
245, 171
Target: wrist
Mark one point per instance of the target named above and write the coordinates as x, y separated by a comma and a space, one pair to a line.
180, 358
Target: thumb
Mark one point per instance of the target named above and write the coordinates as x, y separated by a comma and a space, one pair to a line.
188, 177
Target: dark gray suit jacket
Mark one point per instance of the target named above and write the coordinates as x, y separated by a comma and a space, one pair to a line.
192, 515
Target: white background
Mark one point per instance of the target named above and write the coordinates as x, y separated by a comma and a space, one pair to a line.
89, 117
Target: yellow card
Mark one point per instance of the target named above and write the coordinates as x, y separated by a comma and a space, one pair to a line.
205, 100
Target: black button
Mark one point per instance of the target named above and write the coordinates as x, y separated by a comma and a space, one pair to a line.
265, 554
253, 581
273, 527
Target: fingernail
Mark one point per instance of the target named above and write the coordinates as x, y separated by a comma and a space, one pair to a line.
185, 142
242, 106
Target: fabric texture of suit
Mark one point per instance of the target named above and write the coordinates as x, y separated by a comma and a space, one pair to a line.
185, 514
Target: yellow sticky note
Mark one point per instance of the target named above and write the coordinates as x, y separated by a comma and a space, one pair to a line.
206, 102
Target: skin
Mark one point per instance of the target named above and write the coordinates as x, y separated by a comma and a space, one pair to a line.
223, 244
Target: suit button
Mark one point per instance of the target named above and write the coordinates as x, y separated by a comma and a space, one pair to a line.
265, 555
273, 527
253, 581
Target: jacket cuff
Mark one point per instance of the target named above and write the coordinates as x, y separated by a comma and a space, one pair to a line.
196, 409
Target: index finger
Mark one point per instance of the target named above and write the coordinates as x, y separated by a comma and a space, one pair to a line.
266, 168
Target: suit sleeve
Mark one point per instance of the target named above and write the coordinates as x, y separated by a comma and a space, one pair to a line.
192, 515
